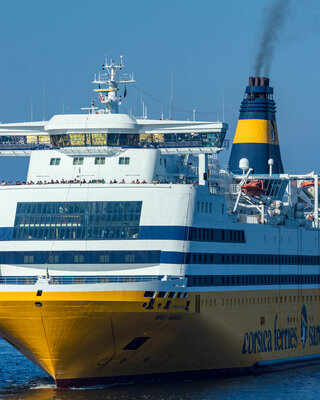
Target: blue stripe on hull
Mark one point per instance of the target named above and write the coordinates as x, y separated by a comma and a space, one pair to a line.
291, 360
164, 232
258, 155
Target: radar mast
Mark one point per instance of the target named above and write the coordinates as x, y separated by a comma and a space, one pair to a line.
111, 78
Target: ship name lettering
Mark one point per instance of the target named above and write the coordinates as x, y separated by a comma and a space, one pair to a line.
314, 335
257, 342
285, 338
265, 341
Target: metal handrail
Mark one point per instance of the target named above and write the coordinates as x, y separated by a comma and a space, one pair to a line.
76, 280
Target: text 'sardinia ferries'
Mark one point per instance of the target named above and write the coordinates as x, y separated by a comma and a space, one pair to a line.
129, 252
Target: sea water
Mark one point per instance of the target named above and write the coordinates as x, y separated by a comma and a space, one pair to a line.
20, 379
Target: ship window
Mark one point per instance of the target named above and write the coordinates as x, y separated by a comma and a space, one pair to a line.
77, 220
100, 160
55, 161
124, 160
104, 258
53, 259
28, 259
129, 258
98, 139
162, 294
77, 139
78, 258
79, 280
77, 160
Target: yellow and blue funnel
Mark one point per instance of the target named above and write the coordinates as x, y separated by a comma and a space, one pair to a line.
256, 136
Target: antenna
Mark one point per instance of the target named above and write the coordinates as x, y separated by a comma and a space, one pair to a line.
171, 98
43, 103
223, 107
108, 96
31, 110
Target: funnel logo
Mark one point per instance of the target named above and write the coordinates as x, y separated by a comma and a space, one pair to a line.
304, 325
273, 132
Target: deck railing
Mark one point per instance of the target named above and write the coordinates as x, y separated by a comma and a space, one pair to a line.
76, 280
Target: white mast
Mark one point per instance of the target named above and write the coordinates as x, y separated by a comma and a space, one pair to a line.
108, 96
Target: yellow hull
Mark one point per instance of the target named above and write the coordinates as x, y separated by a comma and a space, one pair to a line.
82, 337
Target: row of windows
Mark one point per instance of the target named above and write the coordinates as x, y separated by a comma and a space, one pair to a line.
66, 233
244, 301
95, 139
87, 257
215, 258
77, 220
139, 140
79, 207
218, 235
246, 280
206, 207
80, 258
97, 161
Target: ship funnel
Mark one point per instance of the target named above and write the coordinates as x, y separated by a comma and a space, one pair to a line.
256, 137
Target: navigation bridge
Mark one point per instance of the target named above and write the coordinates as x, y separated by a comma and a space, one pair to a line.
111, 130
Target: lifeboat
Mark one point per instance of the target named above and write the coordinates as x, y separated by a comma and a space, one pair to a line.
308, 188
253, 188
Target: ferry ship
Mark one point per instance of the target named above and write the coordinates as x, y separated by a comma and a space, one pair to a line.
129, 252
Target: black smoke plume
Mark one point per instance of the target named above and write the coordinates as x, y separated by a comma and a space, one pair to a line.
274, 20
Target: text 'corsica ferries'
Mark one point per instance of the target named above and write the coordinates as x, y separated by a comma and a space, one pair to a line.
129, 252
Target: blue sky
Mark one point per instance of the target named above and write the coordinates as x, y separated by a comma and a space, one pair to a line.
208, 45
